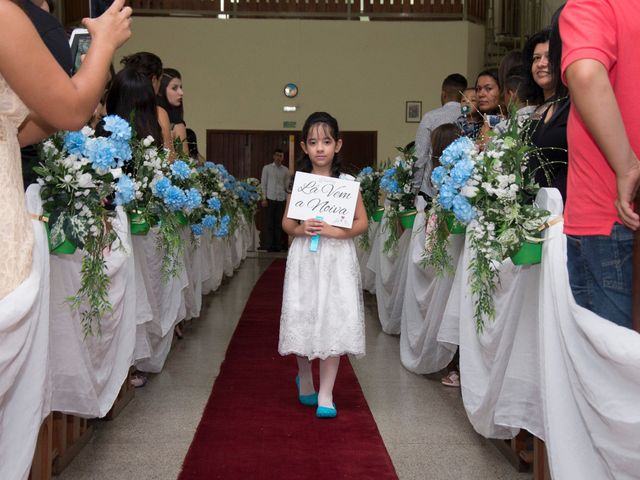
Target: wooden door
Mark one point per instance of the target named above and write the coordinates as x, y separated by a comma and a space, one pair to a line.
245, 152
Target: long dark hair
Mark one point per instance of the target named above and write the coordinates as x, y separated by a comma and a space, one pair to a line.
330, 123
555, 56
131, 97
146, 63
441, 137
176, 114
532, 92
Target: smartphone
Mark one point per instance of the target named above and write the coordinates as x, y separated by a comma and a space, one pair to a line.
80, 41
98, 7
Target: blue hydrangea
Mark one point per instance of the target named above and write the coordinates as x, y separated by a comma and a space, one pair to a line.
125, 190
180, 169
221, 169
74, 143
209, 165
162, 186
193, 199
456, 151
121, 150
119, 128
366, 171
461, 172
438, 175
463, 210
197, 229
389, 184
214, 203
447, 193
209, 221
223, 227
100, 153
174, 198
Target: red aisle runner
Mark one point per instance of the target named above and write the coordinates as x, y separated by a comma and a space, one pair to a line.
253, 426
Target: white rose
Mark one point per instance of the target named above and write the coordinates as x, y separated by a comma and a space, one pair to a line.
469, 191
147, 141
85, 180
116, 173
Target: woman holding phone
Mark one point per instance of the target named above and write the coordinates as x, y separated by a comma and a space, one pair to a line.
37, 98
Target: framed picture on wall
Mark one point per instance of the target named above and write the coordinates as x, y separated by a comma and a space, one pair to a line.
413, 111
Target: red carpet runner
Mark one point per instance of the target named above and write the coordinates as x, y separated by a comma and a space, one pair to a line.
253, 426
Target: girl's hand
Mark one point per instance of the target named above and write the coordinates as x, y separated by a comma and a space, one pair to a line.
318, 227
113, 26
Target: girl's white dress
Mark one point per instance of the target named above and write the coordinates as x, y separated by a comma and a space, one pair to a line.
322, 307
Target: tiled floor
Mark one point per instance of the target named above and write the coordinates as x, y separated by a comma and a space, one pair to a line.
422, 423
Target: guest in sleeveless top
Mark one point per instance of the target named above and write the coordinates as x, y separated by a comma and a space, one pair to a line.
170, 98
37, 97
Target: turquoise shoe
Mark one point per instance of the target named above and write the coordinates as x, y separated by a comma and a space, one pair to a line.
327, 412
310, 400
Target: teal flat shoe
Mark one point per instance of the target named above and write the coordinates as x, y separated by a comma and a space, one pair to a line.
327, 412
310, 400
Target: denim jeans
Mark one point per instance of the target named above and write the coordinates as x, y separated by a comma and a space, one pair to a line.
600, 269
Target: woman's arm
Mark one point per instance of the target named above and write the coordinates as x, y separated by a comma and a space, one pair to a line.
165, 126
60, 102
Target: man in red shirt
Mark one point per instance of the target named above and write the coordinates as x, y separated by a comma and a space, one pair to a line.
601, 68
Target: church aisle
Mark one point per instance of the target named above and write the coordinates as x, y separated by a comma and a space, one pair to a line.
423, 424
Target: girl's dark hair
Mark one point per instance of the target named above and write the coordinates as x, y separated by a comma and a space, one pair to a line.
146, 63
131, 97
330, 123
441, 138
176, 114
555, 56
532, 92
510, 61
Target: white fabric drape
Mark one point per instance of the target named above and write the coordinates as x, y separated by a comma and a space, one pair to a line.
425, 300
25, 390
590, 381
390, 277
367, 276
87, 373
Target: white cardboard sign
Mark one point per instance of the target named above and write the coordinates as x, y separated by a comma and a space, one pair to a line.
333, 199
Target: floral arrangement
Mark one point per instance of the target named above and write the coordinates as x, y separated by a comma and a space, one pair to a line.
249, 193
370, 188
211, 216
395, 183
492, 192
80, 175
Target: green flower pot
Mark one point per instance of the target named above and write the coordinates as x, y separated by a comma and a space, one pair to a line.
65, 248
139, 225
377, 215
454, 226
529, 254
182, 218
407, 218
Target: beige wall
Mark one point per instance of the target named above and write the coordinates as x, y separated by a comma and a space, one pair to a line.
361, 72
548, 8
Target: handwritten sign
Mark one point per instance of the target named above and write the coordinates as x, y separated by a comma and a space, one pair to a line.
331, 198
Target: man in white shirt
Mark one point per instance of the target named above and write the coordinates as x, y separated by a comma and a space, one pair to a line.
452, 88
275, 181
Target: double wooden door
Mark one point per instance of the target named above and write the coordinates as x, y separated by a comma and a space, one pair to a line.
245, 152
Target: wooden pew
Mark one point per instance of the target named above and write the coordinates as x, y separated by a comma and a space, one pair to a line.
43, 456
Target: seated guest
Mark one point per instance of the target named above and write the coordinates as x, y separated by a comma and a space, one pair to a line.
150, 65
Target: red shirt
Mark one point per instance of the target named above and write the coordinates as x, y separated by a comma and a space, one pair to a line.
607, 31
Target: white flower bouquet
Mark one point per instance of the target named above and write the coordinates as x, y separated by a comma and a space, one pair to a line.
492, 192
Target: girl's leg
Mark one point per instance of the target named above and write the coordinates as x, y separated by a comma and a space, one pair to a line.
305, 376
328, 373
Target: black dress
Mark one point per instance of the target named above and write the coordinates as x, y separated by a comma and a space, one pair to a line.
551, 138
55, 39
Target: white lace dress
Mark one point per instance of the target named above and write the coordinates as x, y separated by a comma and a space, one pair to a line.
16, 232
322, 307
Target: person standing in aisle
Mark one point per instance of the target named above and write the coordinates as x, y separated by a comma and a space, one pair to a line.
275, 180
600, 66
